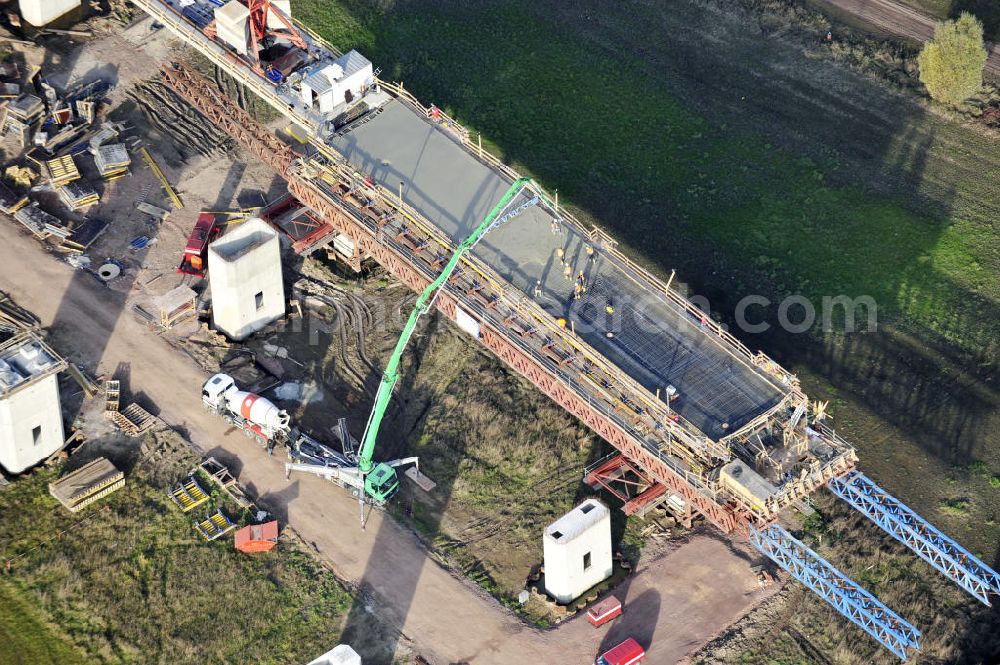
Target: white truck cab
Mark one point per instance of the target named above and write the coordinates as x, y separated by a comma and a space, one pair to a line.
214, 391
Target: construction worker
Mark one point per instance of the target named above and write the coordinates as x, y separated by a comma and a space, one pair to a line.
561, 322
610, 308
581, 281
567, 272
538, 288
590, 253
561, 253
577, 291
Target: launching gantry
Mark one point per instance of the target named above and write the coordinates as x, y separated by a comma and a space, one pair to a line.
701, 424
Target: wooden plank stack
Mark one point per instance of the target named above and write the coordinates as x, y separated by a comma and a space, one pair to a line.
112, 160
78, 195
133, 421
87, 484
62, 170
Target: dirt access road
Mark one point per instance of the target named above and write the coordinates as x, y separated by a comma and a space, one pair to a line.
889, 16
682, 599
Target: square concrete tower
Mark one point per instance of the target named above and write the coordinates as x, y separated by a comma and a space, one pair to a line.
578, 551
31, 426
43, 12
244, 273
342, 654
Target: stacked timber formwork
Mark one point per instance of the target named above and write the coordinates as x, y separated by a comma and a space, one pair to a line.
87, 484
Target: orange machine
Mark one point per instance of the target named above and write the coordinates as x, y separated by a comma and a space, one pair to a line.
257, 537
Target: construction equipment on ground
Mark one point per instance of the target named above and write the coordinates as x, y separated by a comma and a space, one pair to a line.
380, 481
705, 424
148, 158
215, 526
195, 258
188, 494
257, 537
257, 417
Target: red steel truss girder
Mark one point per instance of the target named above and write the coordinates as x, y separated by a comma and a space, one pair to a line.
644, 498
228, 116
722, 516
615, 472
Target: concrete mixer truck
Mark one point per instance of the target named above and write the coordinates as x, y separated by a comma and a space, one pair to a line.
257, 416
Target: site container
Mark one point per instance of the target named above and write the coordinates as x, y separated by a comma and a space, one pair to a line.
628, 652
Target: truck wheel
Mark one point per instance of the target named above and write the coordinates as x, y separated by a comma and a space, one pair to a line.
249, 433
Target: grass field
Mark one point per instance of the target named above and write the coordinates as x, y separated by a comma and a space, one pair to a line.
722, 138
659, 146
26, 637
130, 581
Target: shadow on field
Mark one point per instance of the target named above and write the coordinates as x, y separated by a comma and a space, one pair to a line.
748, 163
987, 11
387, 574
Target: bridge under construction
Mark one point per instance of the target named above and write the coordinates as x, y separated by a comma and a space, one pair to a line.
700, 423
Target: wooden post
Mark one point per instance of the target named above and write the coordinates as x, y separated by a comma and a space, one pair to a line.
669, 281
557, 200
400, 194
572, 326
480, 145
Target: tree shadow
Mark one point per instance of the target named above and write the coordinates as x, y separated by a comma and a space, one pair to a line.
986, 11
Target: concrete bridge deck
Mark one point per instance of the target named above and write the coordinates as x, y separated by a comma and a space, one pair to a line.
651, 339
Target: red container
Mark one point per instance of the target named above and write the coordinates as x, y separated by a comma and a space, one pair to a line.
195, 259
604, 611
628, 652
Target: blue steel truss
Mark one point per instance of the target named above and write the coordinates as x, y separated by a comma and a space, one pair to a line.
864, 609
918, 534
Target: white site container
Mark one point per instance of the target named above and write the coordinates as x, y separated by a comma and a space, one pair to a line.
577, 549
244, 273
31, 426
43, 12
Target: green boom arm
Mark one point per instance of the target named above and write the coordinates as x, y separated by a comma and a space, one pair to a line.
391, 374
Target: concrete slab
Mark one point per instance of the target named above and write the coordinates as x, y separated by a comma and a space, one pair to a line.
652, 339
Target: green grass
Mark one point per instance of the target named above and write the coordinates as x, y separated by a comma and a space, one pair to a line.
135, 584
658, 170
26, 637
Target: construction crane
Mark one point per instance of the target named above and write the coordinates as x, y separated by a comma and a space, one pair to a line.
379, 481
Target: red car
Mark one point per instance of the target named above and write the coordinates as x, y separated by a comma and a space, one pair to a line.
628, 652
195, 259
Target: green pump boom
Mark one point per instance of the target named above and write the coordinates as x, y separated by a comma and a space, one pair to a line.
383, 483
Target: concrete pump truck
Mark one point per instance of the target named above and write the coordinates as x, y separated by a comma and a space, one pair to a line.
378, 482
